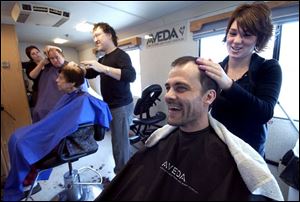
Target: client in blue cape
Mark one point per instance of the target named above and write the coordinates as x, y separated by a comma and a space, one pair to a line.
31, 143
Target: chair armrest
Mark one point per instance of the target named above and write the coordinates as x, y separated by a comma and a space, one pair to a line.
99, 132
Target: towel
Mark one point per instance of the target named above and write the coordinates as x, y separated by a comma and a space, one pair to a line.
251, 165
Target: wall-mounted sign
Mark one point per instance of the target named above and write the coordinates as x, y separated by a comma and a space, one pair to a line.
167, 35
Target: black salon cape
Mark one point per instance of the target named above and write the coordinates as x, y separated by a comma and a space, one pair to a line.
181, 167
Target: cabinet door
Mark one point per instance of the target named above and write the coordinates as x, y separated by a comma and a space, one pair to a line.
15, 112
7, 128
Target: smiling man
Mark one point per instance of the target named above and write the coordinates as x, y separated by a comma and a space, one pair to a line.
188, 96
194, 157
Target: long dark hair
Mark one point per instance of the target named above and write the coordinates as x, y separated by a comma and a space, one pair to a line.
28, 51
107, 29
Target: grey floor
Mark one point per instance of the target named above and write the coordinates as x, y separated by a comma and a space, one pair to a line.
102, 161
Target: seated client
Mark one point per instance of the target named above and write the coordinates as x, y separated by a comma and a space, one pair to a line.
27, 145
194, 158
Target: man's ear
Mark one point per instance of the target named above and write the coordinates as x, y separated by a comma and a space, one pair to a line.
209, 96
110, 35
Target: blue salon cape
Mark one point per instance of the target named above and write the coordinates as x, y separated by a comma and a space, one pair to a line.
31, 143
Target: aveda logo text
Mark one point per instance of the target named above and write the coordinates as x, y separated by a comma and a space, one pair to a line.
173, 170
166, 36
176, 174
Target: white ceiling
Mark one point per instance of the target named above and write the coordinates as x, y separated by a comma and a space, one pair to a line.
119, 14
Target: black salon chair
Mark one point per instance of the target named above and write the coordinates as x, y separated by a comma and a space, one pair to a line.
75, 146
144, 124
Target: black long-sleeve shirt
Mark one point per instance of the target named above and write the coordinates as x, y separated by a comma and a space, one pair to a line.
249, 104
29, 66
115, 92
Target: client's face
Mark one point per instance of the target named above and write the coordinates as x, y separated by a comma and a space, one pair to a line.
56, 58
184, 97
63, 84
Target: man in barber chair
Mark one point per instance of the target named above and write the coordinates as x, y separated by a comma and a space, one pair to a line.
30, 144
194, 157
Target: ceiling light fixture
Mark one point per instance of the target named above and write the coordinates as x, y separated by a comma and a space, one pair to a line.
84, 26
60, 41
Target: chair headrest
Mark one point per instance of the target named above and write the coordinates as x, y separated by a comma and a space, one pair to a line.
152, 91
149, 95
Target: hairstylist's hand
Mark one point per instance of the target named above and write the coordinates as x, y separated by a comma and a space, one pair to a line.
216, 72
75, 65
48, 47
44, 62
93, 64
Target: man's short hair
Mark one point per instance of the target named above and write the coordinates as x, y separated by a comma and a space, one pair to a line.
206, 82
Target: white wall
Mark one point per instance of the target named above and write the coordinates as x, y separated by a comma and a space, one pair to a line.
156, 62
86, 53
